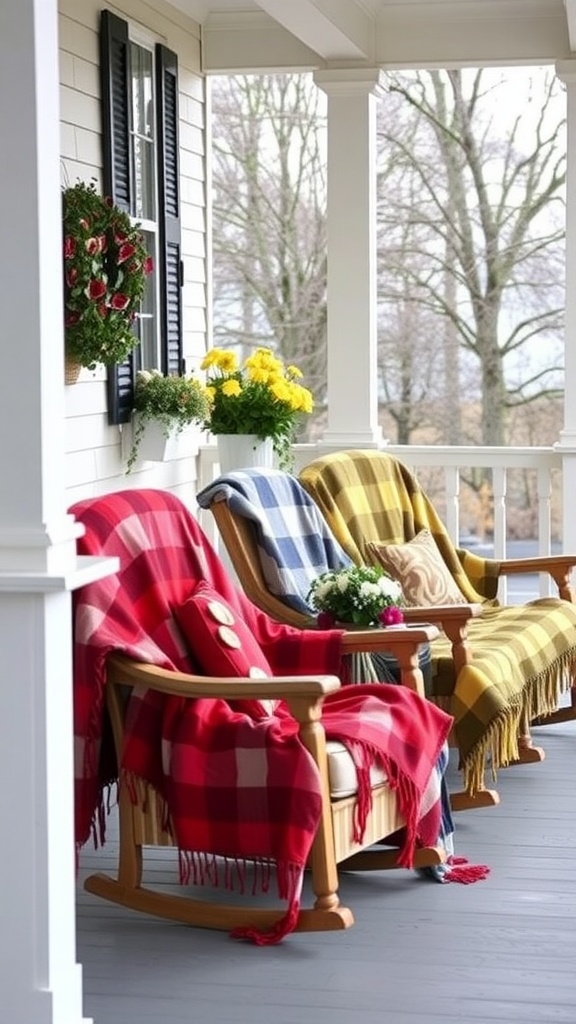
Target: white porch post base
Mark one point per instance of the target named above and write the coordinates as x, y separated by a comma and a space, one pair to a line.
336, 439
40, 981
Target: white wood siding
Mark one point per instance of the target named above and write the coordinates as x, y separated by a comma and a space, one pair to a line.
94, 448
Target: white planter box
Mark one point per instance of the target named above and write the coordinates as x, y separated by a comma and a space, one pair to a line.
155, 446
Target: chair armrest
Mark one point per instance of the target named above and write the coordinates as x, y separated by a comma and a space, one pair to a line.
382, 638
441, 613
453, 619
303, 694
124, 670
559, 567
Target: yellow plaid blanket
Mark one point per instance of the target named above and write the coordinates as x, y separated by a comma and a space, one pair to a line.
523, 657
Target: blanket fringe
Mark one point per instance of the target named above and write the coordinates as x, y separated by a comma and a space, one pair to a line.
290, 877
460, 870
198, 868
539, 698
279, 931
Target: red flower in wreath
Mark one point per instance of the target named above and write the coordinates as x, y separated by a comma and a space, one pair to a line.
96, 289
69, 248
125, 252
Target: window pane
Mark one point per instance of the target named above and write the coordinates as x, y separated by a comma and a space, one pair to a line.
147, 332
144, 192
148, 321
143, 179
142, 107
143, 132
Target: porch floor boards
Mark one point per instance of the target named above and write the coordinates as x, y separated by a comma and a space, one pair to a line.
498, 952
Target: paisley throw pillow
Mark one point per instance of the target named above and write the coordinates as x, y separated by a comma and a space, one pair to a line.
420, 569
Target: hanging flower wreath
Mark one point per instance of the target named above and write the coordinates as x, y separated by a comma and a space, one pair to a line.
105, 270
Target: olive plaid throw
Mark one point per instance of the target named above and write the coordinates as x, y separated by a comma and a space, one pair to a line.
524, 657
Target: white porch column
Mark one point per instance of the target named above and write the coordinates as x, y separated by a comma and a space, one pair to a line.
566, 71
352, 308
40, 982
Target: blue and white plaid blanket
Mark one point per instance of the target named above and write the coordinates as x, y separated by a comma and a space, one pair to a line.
294, 541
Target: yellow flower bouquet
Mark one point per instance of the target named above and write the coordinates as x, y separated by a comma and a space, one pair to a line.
260, 397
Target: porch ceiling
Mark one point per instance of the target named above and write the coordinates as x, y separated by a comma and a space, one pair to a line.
258, 35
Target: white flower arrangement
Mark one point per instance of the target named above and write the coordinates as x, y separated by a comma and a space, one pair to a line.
362, 594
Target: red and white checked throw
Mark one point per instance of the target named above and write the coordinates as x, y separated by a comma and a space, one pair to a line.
238, 784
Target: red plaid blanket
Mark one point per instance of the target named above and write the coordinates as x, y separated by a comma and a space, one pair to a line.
238, 784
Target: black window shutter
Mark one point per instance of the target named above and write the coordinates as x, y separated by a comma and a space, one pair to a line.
114, 69
170, 252
115, 85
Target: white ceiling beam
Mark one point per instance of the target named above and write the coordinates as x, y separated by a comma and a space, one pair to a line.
337, 30
443, 33
251, 42
402, 34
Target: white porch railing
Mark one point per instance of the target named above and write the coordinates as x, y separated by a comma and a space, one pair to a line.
453, 461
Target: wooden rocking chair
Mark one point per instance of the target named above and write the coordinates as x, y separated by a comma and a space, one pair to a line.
245, 526
125, 525
503, 668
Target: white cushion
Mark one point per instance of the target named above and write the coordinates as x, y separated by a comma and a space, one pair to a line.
342, 771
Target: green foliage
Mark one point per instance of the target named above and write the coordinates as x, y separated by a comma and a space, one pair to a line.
105, 270
174, 401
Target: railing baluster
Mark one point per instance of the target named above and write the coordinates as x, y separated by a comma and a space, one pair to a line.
499, 483
544, 484
452, 484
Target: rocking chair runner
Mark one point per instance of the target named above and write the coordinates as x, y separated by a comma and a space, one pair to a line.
140, 638
496, 672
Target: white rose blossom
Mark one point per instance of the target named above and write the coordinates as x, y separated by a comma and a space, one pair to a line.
390, 588
323, 589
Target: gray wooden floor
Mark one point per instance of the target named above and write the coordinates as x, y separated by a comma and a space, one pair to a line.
502, 951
